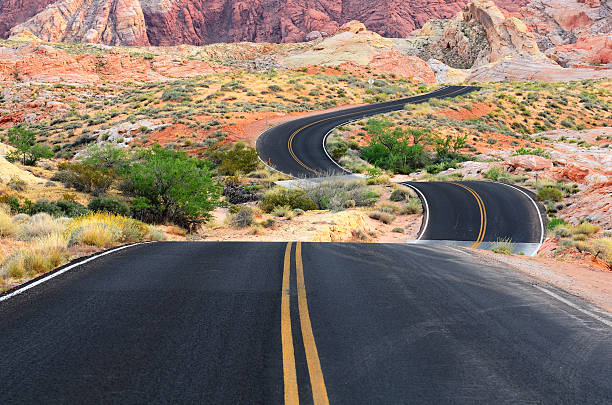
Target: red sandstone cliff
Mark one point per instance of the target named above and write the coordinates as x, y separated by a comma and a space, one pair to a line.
171, 22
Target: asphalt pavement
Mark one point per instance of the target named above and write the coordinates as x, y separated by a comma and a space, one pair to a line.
319, 323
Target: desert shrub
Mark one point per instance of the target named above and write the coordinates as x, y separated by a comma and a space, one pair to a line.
494, 173
104, 229
398, 230
85, 178
412, 206
239, 194
553, 223
59, 208
602, 248
284, 211
106, 156
109, 204
338, 195
39, 225
562, 232
586, 228
243, 218
27, 151
171, 186
503, 246
294, 198
241, 158
398, 195
549, 194
54, 248
384, 217
8, 228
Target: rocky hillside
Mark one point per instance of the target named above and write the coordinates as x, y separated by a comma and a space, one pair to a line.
197, 22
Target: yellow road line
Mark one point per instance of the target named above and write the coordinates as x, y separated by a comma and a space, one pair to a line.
483, 215
292, 137
317, 383
289, 374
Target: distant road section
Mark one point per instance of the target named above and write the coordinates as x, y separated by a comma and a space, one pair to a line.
296, 147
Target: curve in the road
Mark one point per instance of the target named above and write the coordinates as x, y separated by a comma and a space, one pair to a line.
296, 147
480, 213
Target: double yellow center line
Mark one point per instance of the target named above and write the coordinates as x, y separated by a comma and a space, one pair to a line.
317, 383
483, 214
293, 135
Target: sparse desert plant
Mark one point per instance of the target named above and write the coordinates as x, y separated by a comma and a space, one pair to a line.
549, 194
494, 173
243, 217
384, 217
503, 246
8, 228
603, 249
562, 232
284, 211
554, 223
39, 225
337, 195
412, 206
109, 204
280, 196
104, 229
398, 195
586, 228
398, 230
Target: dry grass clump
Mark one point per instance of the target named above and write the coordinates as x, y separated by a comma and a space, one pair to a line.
284, 211
503, 246
384, 217
39, 225
602, 248
586, 228
103, 229
45, 253
8, 228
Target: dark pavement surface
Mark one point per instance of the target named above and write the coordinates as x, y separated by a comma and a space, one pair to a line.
454, 213
201, 323
307, 144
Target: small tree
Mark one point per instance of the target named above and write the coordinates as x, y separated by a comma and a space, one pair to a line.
171, 186
27, 151
241, 158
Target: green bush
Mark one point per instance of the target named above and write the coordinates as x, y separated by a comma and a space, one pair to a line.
555, 222
398, 195
27, 151
241, 158
109, 204
170, 186
494, 173
294, 198
86, 178
59, 208
549, 194
339, 195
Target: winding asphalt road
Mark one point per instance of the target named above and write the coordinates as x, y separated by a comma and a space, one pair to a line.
296, 147
472, 214
230, 323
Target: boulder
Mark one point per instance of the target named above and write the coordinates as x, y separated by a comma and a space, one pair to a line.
530, 162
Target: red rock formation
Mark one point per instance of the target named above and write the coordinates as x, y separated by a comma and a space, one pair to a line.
171, 22
13, 12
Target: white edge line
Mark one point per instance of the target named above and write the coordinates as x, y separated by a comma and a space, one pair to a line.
62, 271
426, 208
576, 307
542, 230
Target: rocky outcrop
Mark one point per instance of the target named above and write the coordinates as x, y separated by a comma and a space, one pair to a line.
198, 22
479, 35
508, 37
523, 69
45, 63
530, 162
113, 22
